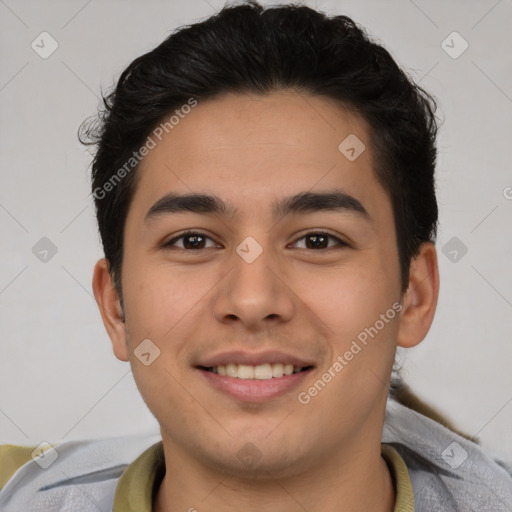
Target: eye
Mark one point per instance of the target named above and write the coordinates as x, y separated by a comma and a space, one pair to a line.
319, 240
195, 240
190, 240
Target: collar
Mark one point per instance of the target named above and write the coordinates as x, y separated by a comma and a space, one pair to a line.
140, 481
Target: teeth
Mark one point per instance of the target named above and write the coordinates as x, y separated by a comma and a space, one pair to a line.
231, 370
261, 372
277, 370
288, 369
245, 371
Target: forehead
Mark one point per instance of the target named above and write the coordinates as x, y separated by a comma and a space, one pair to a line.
252, 149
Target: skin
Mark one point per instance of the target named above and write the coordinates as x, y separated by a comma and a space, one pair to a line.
313, 302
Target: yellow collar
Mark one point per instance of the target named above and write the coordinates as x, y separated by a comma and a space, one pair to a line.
141, 480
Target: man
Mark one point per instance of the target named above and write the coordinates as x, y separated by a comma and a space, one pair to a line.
264, 186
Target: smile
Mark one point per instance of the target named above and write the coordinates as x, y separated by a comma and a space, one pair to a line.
255, 384
261, 372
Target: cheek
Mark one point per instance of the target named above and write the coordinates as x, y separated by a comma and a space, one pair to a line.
157, 296
162, 304
359, 306
156, 306
348, 298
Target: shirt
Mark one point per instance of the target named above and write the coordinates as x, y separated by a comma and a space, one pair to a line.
140, 481
432, 468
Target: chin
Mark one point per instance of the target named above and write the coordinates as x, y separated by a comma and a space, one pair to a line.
252, 461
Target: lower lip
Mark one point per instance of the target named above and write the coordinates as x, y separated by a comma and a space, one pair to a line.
255, 390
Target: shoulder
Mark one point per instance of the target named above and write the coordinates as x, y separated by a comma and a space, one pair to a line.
84, 473
447, 471
11, 458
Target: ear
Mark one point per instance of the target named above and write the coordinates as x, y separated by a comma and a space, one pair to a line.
110, 308
420, 300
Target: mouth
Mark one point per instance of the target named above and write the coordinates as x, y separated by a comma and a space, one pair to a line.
254, 377
255, 383
264, 371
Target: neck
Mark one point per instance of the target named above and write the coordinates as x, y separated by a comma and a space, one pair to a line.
357, 480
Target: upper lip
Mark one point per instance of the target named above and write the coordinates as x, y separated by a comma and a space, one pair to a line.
252, 358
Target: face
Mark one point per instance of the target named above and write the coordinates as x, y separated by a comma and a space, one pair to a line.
268, 277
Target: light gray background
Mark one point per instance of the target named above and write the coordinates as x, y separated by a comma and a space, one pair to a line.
59, 379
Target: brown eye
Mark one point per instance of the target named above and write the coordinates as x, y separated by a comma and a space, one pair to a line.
190, 241
319, 240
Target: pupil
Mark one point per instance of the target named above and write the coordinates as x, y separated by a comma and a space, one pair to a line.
317, 240
193, 237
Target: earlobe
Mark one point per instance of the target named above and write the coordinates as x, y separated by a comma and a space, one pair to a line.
420, 299
110, 308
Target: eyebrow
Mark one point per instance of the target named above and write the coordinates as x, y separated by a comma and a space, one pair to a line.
304, 202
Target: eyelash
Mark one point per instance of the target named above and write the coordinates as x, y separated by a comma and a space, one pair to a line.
170, 243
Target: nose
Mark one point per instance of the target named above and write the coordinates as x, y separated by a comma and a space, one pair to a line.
255, 293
